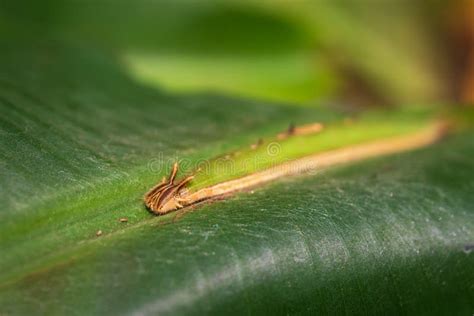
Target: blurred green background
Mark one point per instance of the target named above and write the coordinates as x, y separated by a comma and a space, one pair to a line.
356, 53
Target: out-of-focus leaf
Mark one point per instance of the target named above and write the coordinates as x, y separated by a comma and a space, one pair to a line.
75, 130
205, 46
297, 52
297, 78
384, 43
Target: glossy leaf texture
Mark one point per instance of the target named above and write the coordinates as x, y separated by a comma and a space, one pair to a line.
76, 132
81, 142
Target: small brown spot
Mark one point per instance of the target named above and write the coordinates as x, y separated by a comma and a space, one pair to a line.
98, 233
123, 220
282, 136
307, 129
257, 144
291, 129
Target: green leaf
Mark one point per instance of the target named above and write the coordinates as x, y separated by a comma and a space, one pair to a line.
286, 77
81, 143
